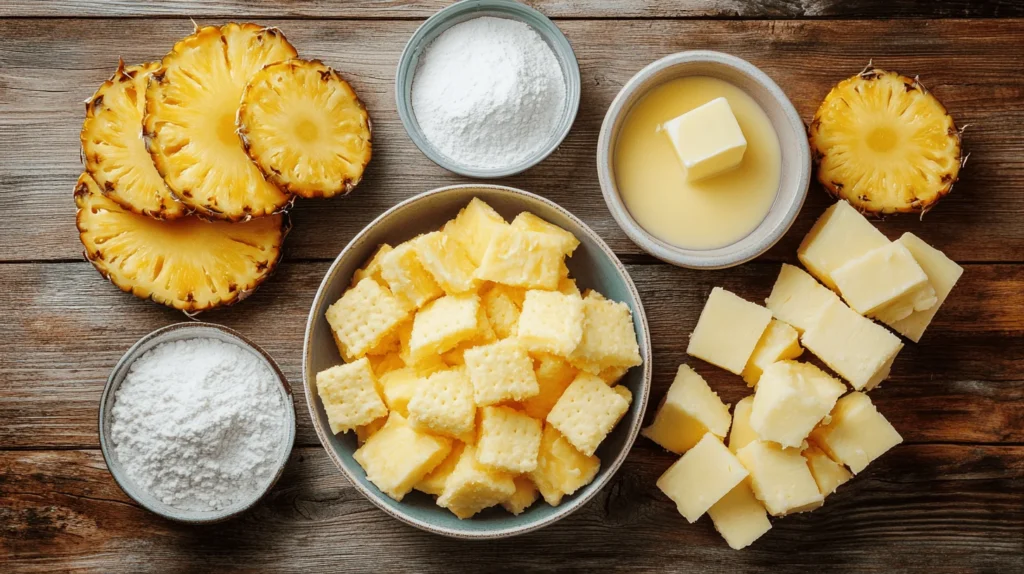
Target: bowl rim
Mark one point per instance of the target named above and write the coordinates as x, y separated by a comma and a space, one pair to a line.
581, 497
552, 35
691, 258
108, 398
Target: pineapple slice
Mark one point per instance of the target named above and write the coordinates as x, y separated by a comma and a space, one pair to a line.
305, 128
884, 144
112, 146
189, 126
189, 264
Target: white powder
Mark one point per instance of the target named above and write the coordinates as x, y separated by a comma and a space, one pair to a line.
199, 424
488, 92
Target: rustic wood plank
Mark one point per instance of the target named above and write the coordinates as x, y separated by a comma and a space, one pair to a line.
64, 328
47, 67
920, 508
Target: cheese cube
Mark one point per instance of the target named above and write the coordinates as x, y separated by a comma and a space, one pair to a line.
840, 235
728, 330
942, 273
384, 364
828, 474
741, 433
858, 349
398, 456
524, 496
885, 283
372, 267
434, 482
780, 478
567, 286
474, 227
363, 317
527, 221
688, 411
349, 395
443, 324
405, 275
790, 400
501, 371
707, 139
443, 404
587, 411
472, 487
857, 433
561, 469
397, 388
551, 322
609, 338
778, 342
705, 474
508, 440
364, 432
502, 312
446, 260
797, 298
523, 259
554, 375
739, 517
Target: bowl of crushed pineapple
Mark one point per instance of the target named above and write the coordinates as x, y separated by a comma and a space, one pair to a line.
477, 362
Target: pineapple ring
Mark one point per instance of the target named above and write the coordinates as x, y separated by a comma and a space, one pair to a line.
113, 150
189, 124
189, 264
305, 128
885, 144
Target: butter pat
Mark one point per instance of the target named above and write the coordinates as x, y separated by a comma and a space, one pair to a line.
839, 236
705, 474
741, 434
688, 411
728, 330
798, 299
858, 349
942, 273
780, 478
886, 283
739, 517
828, 474
778, 342
707, 139
857, 433
791, 400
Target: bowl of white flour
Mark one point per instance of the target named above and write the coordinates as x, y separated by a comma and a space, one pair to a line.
196, 422
487, 88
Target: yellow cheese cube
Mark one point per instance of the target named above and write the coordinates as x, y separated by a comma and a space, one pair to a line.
741, 433
523, 259
885, 283
828, 474
527, 221
778, 343
384, 364
609, 338
372, 267
561, 469
364, 432
349, 395
798, 299
587, 411
942, 273
443, 324
508, 440
688, 411
857, 433
501, 371
554, 375
524, 496
858, 349
707, 139
551, 322
446, 260
398, 456
472, 487
728, 330
790, 400
443, 404
434, 482
699, 479
405, 275
363, 317
567, 286
397, 388
780, 478
502, 312
474, 227
840, 235
739, 517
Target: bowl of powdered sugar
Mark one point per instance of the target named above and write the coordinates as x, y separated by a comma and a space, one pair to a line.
487, 88
196, 422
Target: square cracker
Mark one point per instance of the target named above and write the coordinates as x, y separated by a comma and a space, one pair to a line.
349, 395
508, 440
587, 411
363, 317
501, 371
551, 322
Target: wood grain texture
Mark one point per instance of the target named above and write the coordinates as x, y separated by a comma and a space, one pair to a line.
48, 67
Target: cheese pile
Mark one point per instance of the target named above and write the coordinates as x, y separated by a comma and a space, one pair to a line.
475, 370
797, 438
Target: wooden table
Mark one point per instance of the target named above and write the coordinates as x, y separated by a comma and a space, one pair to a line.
950, 498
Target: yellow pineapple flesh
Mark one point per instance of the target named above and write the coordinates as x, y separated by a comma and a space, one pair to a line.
189, 126
885, 144
188, 263
305, 128
113, 150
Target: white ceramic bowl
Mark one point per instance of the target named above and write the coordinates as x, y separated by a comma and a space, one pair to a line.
796, 156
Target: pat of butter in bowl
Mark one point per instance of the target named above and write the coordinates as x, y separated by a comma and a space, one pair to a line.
708, 139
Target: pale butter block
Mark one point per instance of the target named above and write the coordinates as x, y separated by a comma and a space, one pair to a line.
779, 342
857, 433
688, 411
707, 139
780, 478
791, 400
741, 434
942, 273
858, 349
739, 517
828, 474
885, 283
797, 298
728, 330
705, 474
840, 235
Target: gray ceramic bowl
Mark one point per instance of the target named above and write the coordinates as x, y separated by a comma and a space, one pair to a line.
796, 156
467, 10
593, 265
178, 332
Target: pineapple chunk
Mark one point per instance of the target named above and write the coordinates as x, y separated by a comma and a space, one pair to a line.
447, 261
372, 267
443, 324
688, 411
434, 482
397, 388
527, 221
554, 375
522, 259
364, 432
587, 411
474, 227
502, 312
397, 457
349, 395
472, 487
551, 322
778, 343
406, 277
508, 440
561, 469
524, 496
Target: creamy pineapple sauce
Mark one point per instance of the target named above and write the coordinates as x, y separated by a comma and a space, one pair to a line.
711, 212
